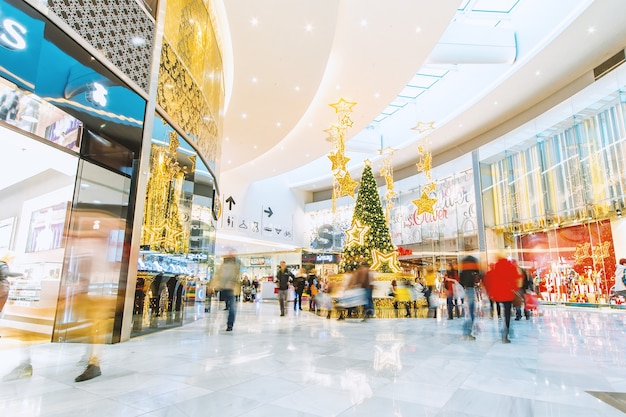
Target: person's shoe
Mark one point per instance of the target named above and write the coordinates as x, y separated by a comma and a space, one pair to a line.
91, 372
505, 340
300, 308
450, 318
518, 318
229, 329
282, 315
19, 372
469, 337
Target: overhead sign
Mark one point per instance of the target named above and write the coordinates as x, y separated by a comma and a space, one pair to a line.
257, 261
20, 44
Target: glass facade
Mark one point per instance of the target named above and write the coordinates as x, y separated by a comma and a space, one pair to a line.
554, 199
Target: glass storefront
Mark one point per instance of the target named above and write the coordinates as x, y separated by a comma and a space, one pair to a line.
178, 234
554, 201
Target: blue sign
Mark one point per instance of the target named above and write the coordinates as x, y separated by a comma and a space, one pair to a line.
20, 45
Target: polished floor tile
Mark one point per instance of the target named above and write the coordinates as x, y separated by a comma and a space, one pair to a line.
566, 362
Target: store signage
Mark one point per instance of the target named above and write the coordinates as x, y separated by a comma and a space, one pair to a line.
12, 34
325, 258
20, 44
257, 261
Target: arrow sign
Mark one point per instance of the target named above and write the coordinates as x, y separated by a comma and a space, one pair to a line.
231, 202
269, 212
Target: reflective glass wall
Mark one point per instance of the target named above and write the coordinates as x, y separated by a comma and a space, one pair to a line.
553, 200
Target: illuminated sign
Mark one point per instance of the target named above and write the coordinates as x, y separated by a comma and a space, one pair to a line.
12, 35
257, 261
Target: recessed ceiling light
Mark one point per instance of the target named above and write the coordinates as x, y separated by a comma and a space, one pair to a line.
229, 161
376, 95
254, 80
537, 72
591, 29
310, 124
254, 21
278, 124
495, 102
254, 147
337, 87
309, 27
418, 29
363, 22
460, 124
226, 138
297, 88
307, 155
243, 115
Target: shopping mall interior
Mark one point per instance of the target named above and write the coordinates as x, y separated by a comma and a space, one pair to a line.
144, 141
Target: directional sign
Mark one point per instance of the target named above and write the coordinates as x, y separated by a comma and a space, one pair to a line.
231, 202
269, 212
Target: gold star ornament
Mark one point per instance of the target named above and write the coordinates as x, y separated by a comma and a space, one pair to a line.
343, 105
356, 233
346, 185
379, 258
422, 127
425, 204
339, 161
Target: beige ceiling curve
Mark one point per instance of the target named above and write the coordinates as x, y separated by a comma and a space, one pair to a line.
374, 52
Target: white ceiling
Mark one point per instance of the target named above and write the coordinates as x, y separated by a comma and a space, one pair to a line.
382, 55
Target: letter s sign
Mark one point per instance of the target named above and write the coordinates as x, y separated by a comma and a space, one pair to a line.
12, 35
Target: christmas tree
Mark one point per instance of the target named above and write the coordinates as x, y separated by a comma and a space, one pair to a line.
368, 238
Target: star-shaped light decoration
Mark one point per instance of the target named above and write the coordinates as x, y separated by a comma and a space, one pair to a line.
334, 132
422, 127
343, 105
356, 233
426, 163
346, 185
339, 161
346, 121
430, 188
425, 204
582, 252
379, 258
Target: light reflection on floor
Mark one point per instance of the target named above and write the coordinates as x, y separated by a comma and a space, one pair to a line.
306, 365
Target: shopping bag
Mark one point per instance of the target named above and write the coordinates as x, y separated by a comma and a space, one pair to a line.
531, 301
458, 291
352, 297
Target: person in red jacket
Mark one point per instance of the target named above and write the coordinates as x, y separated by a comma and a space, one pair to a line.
501, 282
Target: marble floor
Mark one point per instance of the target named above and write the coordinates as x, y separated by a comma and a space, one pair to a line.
567, 362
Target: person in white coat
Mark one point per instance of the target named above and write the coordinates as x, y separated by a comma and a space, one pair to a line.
620, 271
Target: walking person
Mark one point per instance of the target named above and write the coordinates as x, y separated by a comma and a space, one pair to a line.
451, 278
363, 279
299, 282
469, 277
228, 281
501, 283
283, 278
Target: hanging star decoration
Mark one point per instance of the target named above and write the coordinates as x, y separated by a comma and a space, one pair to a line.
346, 185
425, 163
430, 188
339, 161
425, 204
356, 233
422, 127
343, 106
379, 258
582, 252
343, 184
387, 173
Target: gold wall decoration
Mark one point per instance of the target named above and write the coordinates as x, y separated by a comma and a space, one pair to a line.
183, 101
163, 229
191, 82
343, 184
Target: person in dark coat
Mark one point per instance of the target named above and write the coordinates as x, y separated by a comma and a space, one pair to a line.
469, 276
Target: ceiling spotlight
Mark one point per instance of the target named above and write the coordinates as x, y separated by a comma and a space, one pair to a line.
254, 21
363, 22
254, 80
297, 88
537, 72
418, 29
591, 29
243, 115
309, 27
278, 124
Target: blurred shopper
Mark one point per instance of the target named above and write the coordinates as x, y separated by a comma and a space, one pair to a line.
228, 281
620, 278
501, 282
5, 273
469, 277
283, 278
527, 286
299, 282
363, 278
452, 301
432, 294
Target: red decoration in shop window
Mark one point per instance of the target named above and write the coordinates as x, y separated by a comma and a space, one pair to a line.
404, 251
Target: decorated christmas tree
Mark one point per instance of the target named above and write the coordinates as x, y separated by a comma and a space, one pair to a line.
368, 239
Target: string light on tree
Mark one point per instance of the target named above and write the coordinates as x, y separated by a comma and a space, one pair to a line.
368, 212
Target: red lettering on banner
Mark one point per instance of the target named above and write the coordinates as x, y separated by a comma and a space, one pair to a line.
424, 218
